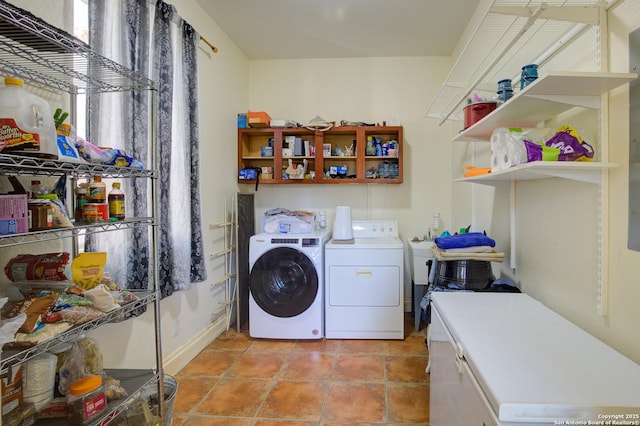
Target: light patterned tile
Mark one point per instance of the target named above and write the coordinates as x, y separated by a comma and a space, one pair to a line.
358, 367
209, 363
294, 400
235, 398
408, 403
191, 390
308, 366
264, 365
355, 403
407, 369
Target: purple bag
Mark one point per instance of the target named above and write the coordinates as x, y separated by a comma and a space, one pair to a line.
571, 148
537, 152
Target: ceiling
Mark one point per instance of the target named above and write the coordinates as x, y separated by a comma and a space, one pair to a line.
302, 29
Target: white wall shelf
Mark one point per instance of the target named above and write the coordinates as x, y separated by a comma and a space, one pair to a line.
589, 172
545, 98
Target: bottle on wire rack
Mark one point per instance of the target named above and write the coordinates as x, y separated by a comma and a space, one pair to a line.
97, 190
116, 202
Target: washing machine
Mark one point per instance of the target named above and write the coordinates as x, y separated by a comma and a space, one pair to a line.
364, 288
286, 285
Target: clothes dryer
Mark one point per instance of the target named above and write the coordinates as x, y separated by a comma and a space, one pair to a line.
286, 285
364, 293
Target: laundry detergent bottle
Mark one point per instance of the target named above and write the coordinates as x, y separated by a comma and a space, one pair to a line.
26, 122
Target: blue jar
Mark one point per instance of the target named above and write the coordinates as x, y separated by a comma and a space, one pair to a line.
529, 74
505, 90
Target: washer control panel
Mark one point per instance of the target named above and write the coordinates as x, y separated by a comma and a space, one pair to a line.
375, 228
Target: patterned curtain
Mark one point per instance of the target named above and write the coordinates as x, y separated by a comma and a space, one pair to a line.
155, 41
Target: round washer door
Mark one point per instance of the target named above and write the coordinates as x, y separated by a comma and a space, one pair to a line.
284, 282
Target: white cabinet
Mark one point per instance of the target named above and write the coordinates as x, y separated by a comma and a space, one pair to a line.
47, 57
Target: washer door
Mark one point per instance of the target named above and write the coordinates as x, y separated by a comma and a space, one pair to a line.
284, 282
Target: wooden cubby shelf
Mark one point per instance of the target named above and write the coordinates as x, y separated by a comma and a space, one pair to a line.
339, 166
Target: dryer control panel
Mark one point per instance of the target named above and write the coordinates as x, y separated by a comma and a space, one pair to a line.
375, 228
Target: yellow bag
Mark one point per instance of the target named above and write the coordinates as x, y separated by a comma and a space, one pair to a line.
87, 269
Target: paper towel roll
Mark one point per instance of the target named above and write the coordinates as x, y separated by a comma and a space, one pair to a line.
39, 379
499, 149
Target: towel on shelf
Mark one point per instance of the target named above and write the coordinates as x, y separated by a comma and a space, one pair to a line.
470, 239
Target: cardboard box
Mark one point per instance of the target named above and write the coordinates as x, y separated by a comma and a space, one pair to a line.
14, 214
258, 119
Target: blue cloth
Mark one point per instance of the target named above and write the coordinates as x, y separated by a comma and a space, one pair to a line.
470, 239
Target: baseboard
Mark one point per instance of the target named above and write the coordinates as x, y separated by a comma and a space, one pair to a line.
181, 357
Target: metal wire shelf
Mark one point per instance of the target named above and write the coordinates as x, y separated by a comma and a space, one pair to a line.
32, 166
49, 57
16, 355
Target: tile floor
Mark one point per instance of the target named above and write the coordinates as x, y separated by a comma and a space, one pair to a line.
241, 381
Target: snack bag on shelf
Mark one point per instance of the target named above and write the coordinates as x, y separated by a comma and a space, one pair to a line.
571, 145
87, 269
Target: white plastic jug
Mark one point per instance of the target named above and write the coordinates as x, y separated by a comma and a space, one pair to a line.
342, 230
26, 122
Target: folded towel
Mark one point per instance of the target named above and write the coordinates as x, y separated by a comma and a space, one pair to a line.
445, 255
472, 249
469, 239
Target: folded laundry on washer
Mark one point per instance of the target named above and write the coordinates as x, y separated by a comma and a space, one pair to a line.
469, 239
283, 221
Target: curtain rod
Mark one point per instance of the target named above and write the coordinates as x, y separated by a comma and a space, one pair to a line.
215, 49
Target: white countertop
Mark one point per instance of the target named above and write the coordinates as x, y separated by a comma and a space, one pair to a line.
533, 364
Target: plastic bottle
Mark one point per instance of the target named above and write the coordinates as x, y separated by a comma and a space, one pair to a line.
116, 202
36, 189
97, 190
26, 122
323, 220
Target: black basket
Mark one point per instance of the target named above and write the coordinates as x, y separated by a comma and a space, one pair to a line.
469, 274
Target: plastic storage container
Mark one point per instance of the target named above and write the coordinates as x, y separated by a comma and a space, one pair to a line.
26, 121
39, 379
86, 400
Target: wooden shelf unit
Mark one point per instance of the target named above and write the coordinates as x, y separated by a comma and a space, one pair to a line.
251, 141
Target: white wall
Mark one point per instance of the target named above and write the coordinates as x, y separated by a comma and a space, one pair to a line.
367, 90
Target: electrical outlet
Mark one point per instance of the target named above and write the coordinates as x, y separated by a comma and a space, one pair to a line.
176, 327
